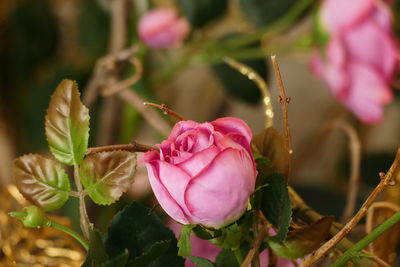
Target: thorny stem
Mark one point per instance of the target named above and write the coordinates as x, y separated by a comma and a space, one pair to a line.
165, 110
385, 181
256, 245
386, 225
355, 160
133, 147
83, 217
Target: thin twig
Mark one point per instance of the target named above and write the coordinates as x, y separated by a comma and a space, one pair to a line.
257, 243
124, 84
252, 75
284, 101
133, 147
370, 217
386, 179
355, 162
166, 110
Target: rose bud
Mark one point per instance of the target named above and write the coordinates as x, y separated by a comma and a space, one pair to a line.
204, 173
162, 28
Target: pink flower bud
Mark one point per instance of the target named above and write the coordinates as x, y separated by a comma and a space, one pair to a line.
360, 57
204, 173
162, 28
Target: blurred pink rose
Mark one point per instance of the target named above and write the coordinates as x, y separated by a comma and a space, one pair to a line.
204, 172
360, 56
162, 28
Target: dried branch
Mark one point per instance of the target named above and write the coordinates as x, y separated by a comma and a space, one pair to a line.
133, 147
386, 180
284, 101
166, 110
355, 162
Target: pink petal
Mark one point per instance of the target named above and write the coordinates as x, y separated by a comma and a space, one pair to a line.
371, 45
170, 206
228, 125
175, 182
218, 195
181, 127
234, 140
199, 161
340, 15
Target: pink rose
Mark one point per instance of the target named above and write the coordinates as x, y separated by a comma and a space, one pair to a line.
162, 28
360, 57
204, 173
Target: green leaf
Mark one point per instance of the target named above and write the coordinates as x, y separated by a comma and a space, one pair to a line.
302, 241
275, 203
205, 234
199, 12
137, 229
119, 261
185, 249
155, 251
271, 145
107, 175
42, 181
97, 254
67, 124
226, 258
260, 158
201, 262
263, 12
230, 237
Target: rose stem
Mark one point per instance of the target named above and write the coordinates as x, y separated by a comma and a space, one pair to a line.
386, 180
166, 110
133, 147
84, 219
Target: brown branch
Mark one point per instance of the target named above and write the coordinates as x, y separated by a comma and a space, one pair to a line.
166, 110
386, 180
257, 243
133, 147
284, 101
355, 162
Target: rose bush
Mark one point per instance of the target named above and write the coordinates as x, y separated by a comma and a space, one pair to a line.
162, 28
204, 173
361, 55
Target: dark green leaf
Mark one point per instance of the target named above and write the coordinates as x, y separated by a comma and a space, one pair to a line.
226, 258
42, 181
302, 241
202, 233
119, 261
199, 12
263, 12
155, 251
107, 175
238, 85
275, 203
97, 254
67, 124
201, 262
230, 237
185, 249
137, 229
270, 144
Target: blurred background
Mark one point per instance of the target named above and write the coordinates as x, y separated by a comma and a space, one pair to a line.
45, 41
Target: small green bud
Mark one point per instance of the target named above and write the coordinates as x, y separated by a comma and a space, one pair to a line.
32, 217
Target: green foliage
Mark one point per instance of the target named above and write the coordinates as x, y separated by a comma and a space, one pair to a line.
136, 229
107, 175
42, 181
119, 261
185, 249
226, 258
97, 253
32, 217
264, 12
302, 241
275, 203
155, 251
199, 12
204, 233
230, 237
67, 124
201, 262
